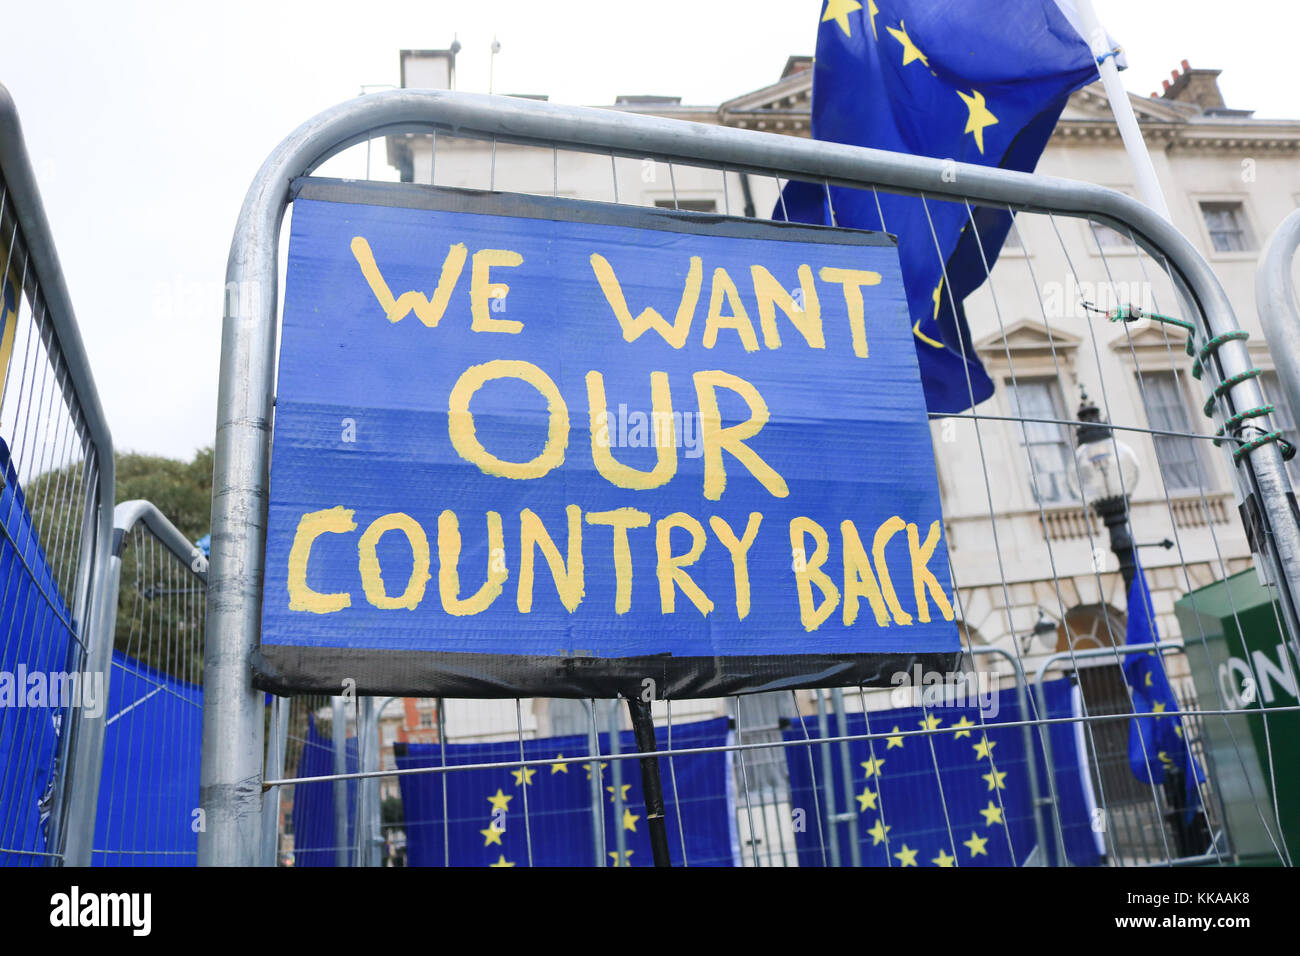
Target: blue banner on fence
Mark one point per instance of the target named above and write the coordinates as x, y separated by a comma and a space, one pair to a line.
487, 823
36, 651
149, 788
959, 798
548, 431
315, 839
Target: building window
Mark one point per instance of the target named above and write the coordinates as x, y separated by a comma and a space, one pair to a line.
426, 718
1226, 223
1013, 237
1108, 238
1167, 411
1282, 418
1046, 442
690, 205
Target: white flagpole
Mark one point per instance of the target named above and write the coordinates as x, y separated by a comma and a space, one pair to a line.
1147, 184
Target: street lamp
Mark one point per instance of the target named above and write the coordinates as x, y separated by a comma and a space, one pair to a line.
1107, 472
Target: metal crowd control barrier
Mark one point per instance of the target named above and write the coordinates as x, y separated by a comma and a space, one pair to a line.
1073, 241
138, 792
1279, 308
57, 518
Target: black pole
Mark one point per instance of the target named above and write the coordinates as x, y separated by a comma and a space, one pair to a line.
652, 786
1114, 515
1190, 837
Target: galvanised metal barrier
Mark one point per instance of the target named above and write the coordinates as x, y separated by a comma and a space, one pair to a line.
1279, 307
141, 776
1030, 561
58, 523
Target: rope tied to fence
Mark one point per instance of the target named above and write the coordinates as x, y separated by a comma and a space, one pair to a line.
1233, 427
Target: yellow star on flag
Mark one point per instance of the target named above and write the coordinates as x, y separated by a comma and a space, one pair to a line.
1147, 680
931, 722
872, 766
523, 776
906, 856
839, 10
992, 814
559, 767
892, 742
916, 330
603, 765
976, 845
501, 861
1158, 708
910, 51
979, 117
623, 795
1178, 730
629, 820
626, 854
872, 9
994, 779
943, 859
878, 833
500, 801
964, 722
984, 748
866, 800
492, 835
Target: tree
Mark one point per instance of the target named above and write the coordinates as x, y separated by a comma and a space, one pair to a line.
160, 602
181, 490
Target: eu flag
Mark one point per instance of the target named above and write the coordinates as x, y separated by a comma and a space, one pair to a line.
972, 82
542, 816
1156, 744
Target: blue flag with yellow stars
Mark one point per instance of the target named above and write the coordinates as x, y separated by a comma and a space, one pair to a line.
1156, 744
959, 796
972, 82
543, 815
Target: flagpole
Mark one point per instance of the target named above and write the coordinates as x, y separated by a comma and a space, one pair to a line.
1147, 184
652, 787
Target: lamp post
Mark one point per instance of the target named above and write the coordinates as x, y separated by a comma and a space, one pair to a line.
1108, 472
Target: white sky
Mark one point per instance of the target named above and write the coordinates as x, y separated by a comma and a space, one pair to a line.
146, 121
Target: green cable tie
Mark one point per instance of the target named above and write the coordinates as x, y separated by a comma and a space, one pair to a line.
1227, 385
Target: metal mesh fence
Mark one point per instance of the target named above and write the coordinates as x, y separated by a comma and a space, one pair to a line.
52, 453
148, 802
1042, 599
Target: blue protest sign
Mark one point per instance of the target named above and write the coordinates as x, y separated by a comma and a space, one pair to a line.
541, 446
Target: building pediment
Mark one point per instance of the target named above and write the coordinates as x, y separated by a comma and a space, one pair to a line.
784, 107
1027, 337
1155, 335
1090, 104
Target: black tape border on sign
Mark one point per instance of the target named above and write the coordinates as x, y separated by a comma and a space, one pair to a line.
284, 669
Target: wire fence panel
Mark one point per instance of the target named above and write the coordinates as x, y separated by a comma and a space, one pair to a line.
1126, 454
56, 462
148, 811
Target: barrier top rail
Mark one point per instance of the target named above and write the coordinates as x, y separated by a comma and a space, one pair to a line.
129, 514
1279, 310
233, 719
